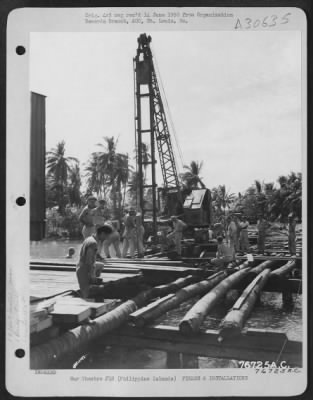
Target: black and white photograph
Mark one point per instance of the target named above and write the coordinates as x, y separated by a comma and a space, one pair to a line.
165, 185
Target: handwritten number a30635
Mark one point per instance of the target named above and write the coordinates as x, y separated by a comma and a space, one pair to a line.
266, 22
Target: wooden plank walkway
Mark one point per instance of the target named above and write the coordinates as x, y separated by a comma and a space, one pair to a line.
111, 261
45, 283
173, 269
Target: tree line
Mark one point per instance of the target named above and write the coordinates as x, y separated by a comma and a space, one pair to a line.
110, 175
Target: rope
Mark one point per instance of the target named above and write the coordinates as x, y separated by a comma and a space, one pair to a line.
39, 299
135, 125
298, 293
281, 351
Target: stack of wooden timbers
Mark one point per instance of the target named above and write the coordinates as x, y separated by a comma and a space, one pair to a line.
165, 286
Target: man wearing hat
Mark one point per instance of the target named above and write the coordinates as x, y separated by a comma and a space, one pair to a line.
177, 234
244, 239
232, 233
101, 213
140, 231
129, 234
87, 217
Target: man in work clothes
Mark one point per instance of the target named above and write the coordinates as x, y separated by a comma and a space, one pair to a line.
224, 255
238, 226
177, 234
113, 239
262, 226
140, 231
292, 222
129, 234
232, 233
87, 217
88, 268
244, 240
101, 213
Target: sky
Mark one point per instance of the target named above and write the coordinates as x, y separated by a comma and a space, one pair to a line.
234, 97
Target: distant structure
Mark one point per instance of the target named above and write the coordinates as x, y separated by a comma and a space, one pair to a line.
37, 166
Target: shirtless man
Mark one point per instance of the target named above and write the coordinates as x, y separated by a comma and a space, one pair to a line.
88, 268
224, 255
113, 239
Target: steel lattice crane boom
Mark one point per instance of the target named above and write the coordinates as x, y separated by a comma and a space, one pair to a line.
151, 127
156, 131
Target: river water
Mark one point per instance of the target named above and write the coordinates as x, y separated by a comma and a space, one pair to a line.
267, 314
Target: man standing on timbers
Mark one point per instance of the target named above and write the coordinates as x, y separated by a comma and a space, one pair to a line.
88, 268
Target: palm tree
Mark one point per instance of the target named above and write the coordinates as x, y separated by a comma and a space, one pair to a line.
108, 169
58, 168
260, 198
288, 198
222, 199
74, 186
191, 178
122, 170
96, 180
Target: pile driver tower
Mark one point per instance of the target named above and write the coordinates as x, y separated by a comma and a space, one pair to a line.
151, 130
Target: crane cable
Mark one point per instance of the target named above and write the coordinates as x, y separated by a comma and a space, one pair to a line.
135, 125
168, 109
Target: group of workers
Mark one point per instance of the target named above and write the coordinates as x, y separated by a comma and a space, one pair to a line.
100, 232
237, 238
93, 217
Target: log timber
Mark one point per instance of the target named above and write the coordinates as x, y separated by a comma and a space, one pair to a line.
266, 264
284, 270
193, 319
278, 276
41, 356
234, 321
72, 340
155, 310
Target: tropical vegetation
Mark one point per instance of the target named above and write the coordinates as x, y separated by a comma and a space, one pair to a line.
275, 202
60, 171
109, 175
191, 178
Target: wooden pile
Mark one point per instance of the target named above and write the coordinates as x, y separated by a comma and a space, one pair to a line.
75, 338
154, 302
